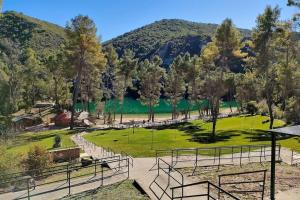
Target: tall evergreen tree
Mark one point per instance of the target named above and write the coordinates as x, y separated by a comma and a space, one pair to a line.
264, 36
11, 55
84, 53
216, 58
213, 82
110, 81
150, 77
175, 85
125, 74
59, 89
35, 78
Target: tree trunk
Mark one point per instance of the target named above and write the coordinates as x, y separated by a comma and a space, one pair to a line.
75, 96
213, 134
174, 112
121, 117
271, 114
55, 92
74, 99
152, 114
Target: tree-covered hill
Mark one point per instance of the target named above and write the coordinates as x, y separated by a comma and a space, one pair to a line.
167, 38
27, 32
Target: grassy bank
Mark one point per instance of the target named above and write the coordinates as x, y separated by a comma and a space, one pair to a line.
242, 130
23, 142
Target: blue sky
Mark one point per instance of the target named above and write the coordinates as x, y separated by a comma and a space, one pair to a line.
115, 17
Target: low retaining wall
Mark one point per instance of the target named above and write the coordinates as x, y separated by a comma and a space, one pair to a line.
61, 155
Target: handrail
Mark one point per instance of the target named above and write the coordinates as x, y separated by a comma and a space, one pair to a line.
101, 176
263, 181
170, 168
127, 156
208, 194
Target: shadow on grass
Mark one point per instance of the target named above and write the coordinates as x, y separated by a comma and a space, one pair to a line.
257, 135
207, 138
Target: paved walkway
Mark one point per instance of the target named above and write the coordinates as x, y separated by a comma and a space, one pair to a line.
144, 176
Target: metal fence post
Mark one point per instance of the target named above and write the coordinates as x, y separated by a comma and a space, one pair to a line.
101, 175
95, 173
264, 182
219, 158
279, 152
119, 163
69, 180
241, 155
128, 167
260, 154
28, 189
158, 167
219, 187
292, 158
208, 191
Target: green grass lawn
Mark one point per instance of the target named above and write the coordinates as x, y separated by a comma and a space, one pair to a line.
23, 142
242, 130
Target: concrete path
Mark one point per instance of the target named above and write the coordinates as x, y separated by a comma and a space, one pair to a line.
144, 176
60, 189
140, 172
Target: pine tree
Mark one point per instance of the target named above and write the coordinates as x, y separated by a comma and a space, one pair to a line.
175, 85
84, 54
59, 84
150, 77
264, 36
125, 74
216, 58
35, 79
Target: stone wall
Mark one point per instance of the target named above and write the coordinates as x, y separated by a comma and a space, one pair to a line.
69, 154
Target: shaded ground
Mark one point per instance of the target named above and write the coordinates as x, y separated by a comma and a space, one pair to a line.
287, 177
119, 191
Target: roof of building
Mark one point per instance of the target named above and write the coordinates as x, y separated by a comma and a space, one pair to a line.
290, 130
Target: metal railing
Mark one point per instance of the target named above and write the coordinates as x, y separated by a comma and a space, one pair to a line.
209, 190
66, 173
218, 156
295, 159
165, 169
260, 182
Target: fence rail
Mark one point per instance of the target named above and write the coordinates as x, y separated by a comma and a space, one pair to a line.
207, 192
295, 159
260, 182
32, 181
168, 170
218, 156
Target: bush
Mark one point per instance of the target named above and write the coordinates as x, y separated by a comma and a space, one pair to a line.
292, 113
251, 108
9, 162
38, 158
263, 108
57, 141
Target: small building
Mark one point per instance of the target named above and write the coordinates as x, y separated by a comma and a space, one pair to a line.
62, 119
24, 121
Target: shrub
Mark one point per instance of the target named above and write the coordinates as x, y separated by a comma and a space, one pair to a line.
251, 108
9, 162
292, 113
57, 141
38, 158
263, 108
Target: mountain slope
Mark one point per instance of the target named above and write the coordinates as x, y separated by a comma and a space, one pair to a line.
39, 35
167, 38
